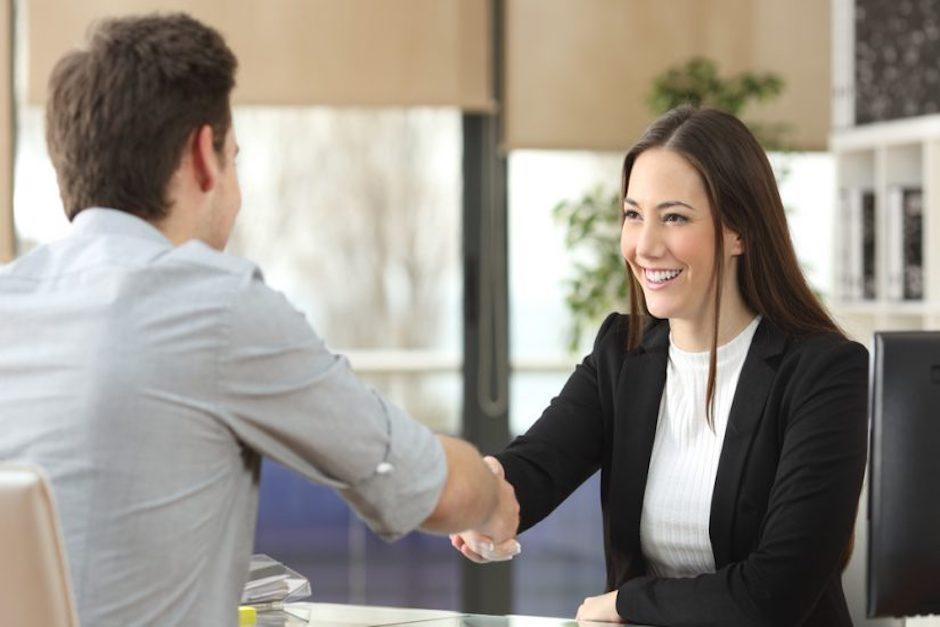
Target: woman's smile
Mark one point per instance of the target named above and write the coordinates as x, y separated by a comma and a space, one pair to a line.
657, 279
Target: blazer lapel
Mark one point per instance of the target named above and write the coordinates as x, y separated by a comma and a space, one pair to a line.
639, 391
747, 408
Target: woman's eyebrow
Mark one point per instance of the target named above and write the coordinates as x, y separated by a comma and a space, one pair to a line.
666, 204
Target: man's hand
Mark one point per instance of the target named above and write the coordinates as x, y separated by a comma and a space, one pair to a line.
503, 523
601, 609
474, 496
495, 540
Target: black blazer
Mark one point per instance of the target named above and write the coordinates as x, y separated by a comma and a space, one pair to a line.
786, 492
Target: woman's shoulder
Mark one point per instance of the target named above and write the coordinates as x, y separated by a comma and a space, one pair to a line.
614, 332
825, 344
817, 358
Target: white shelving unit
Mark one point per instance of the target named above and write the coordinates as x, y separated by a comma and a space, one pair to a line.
902, 152
882, 155
878, 156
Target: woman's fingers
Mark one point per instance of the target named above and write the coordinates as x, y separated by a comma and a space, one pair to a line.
509, 548
472, 556
481, 549
495, 466
581, 612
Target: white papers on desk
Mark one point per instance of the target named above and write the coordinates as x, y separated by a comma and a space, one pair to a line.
269, 582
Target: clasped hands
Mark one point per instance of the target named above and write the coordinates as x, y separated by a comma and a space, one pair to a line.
495, 540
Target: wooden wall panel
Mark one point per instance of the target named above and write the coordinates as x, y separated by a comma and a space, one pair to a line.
578, 72
312, 52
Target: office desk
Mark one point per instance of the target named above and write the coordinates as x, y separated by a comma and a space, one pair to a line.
336, 615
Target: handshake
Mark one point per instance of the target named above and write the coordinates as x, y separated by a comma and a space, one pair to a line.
495, 539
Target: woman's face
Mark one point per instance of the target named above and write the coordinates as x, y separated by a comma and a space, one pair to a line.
668, 237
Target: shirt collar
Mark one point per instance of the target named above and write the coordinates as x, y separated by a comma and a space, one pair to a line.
101, 220
768, 340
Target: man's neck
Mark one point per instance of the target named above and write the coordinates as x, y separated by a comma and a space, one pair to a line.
179, 227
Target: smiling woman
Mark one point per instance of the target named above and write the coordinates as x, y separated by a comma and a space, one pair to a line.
712, 160
726, 413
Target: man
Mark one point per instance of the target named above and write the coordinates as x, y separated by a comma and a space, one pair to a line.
147, 371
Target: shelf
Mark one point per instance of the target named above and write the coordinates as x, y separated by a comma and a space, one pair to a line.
870, 136
884, 308
879, 158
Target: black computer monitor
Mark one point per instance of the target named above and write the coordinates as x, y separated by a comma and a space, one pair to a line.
904, 479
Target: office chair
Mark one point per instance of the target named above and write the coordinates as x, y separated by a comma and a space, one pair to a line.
35, 588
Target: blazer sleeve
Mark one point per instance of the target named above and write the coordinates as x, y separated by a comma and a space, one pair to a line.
809, 519
564, 446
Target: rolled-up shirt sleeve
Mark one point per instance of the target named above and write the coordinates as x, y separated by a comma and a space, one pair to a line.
289, 398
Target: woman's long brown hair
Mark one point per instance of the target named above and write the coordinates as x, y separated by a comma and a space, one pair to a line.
744, 198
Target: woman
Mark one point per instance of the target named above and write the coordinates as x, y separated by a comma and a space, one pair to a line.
727, 412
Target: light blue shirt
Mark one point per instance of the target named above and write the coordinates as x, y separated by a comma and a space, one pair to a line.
148, 380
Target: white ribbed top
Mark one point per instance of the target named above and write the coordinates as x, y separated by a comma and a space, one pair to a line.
677, 504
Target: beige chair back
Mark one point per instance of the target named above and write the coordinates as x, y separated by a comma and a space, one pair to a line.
34, 575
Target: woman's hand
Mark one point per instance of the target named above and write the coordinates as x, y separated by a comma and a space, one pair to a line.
480, 548
601, 608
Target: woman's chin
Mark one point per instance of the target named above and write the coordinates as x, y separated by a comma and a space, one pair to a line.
660, 309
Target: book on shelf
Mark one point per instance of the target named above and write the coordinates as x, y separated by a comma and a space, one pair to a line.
914, 244
867, 249
904, 243
858, 217
894, 259
896, 237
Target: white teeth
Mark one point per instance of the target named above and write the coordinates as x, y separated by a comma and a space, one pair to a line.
661, 276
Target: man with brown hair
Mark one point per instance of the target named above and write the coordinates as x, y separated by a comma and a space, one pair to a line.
147, 371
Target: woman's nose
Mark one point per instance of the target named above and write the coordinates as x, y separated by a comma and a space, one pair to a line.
649, 243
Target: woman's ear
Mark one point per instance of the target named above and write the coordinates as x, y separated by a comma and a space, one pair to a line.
736, 243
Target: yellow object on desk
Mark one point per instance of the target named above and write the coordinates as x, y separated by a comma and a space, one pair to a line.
247, 615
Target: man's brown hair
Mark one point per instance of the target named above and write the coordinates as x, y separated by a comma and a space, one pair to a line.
119, 112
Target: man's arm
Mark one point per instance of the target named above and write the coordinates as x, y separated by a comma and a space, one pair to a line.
473, 496
286, 396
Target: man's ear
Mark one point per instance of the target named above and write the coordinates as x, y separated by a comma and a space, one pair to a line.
205, 158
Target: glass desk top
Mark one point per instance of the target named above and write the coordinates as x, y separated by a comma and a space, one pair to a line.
338, 615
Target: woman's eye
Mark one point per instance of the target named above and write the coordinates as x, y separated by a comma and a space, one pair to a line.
630, 214
675, 217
